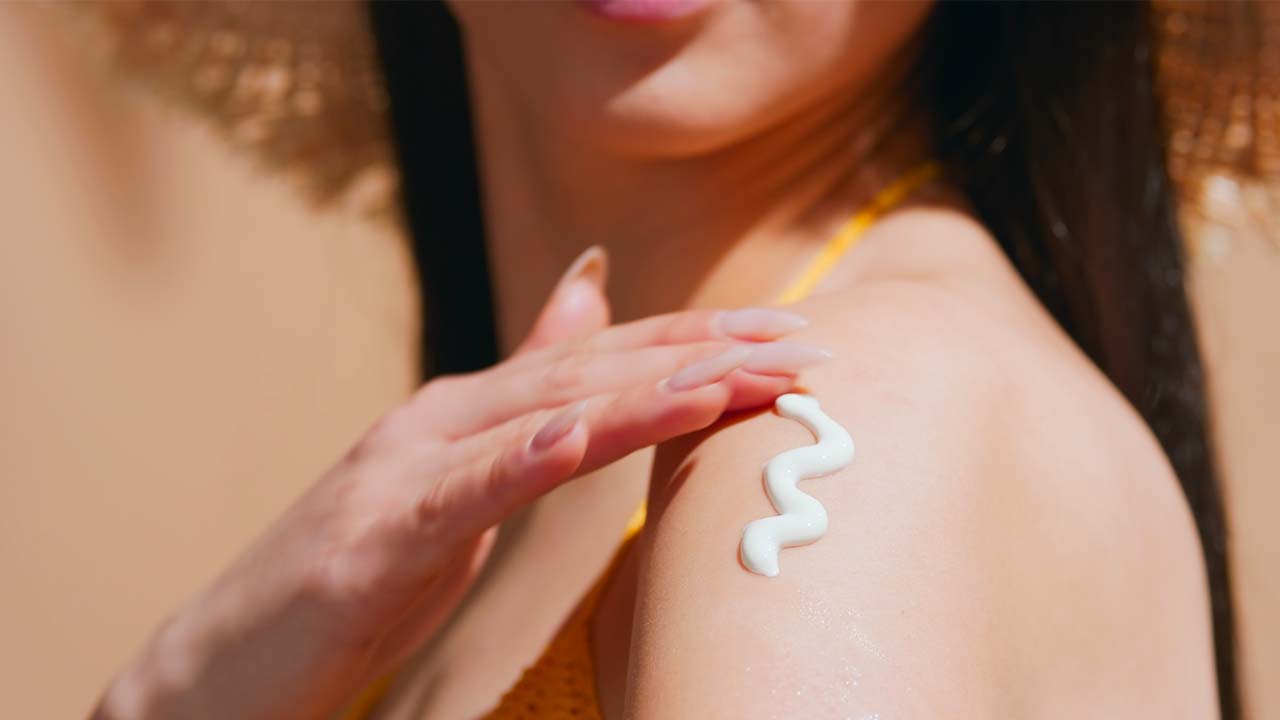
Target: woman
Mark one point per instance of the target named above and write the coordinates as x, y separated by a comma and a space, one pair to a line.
1010, 541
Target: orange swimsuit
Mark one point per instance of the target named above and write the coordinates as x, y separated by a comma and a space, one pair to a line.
561, 684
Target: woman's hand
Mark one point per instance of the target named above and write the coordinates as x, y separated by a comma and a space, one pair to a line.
366, 565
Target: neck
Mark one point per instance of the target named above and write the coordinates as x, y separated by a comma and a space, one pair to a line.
692, 231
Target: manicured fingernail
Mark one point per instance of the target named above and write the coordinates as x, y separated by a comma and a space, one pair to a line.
782, 358
757, 323
557, 427
592, 265
705, 372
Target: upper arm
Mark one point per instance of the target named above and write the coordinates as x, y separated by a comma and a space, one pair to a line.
874, 617
926, 597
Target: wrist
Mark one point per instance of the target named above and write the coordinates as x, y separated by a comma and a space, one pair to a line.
162, 680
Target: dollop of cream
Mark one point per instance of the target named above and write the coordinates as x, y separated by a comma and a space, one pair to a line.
801, 519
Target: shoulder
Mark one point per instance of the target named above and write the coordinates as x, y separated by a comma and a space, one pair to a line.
1006, 521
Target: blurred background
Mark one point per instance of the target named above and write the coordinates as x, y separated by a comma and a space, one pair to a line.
206, 294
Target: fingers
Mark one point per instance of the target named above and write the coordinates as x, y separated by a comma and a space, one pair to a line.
537, 452
758, 324
551, 376
522, 390
589, 435
752, 324
577, 306
510, 465
750, 375
492, 484
650, 415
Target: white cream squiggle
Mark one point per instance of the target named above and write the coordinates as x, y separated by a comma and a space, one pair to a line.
801, 519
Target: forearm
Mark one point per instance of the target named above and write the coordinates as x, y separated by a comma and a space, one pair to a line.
161, 680
237, 649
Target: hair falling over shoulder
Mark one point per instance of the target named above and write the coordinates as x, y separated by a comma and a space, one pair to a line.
1054, 131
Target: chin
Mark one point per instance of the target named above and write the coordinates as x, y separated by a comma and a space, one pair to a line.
651, 120
690, 86
694, 104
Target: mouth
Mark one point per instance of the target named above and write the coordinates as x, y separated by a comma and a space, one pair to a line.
644, 11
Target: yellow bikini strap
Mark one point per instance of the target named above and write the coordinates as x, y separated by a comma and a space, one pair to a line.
854, 228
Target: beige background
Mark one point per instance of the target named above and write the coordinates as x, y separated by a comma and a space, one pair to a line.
1237, 285
185, 344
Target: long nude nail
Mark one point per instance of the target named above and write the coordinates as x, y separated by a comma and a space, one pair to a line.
757, 323
592, 265
557, 427
705, 372
782, 358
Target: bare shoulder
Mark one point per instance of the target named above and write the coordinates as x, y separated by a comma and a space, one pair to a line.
1008, 540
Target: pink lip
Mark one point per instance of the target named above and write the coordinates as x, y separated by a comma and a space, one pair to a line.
644, 10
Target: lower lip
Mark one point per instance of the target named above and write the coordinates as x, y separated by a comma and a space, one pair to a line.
645, 10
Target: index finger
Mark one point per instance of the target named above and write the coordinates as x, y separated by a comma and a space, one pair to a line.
755, 324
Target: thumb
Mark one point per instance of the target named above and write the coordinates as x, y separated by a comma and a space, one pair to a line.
577, 305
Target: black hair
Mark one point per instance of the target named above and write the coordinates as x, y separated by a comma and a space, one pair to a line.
1045, 115
421, 53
